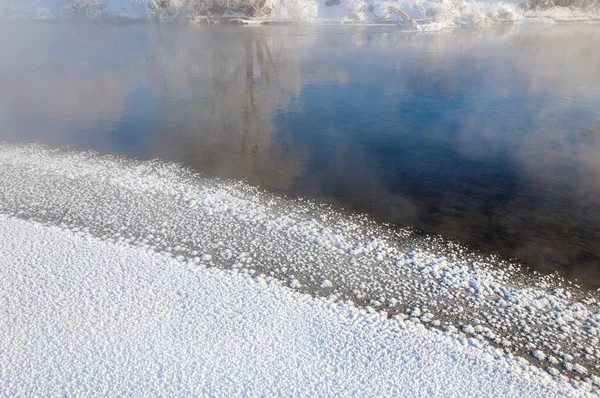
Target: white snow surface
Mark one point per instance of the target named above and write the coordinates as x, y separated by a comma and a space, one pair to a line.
312, 249
81, 316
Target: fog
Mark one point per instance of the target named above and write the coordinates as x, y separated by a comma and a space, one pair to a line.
489, 136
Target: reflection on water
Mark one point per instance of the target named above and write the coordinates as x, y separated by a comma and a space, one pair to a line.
491, 137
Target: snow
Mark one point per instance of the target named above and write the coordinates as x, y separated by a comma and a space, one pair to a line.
206, 223
539, 355
81, 316
430, 15
203, 222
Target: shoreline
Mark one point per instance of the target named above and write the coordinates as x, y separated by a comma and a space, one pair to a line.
313, 249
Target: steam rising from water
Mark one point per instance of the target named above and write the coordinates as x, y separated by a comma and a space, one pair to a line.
236, 103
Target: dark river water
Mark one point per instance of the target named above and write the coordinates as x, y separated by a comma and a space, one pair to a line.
487, 136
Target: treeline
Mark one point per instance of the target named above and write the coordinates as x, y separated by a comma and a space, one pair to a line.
193, 9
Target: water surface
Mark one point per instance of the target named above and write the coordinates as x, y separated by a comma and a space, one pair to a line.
487, 136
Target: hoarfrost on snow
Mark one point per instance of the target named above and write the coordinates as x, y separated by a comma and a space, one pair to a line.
82, 314
146, 204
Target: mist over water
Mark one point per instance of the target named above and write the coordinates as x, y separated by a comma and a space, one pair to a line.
487, 136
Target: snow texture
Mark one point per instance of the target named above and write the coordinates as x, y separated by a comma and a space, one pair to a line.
309, 248
85, 317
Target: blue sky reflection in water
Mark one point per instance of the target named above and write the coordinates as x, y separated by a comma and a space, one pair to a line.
488, 136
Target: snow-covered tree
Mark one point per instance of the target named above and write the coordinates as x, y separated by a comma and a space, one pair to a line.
92, 9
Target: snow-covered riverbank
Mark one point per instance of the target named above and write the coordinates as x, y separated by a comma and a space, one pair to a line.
423, 15
85, 317
315, 250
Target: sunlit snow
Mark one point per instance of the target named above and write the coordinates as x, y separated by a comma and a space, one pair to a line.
86, 317
309, 248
